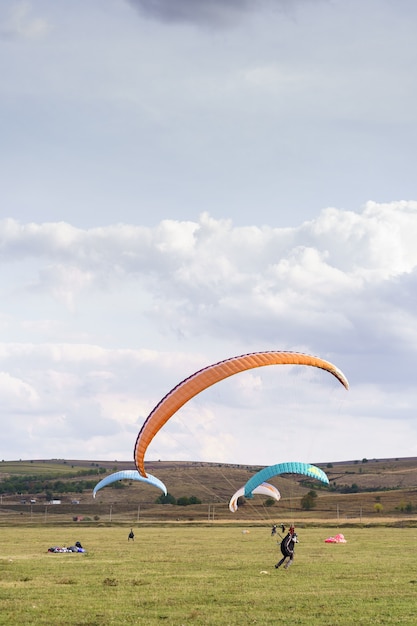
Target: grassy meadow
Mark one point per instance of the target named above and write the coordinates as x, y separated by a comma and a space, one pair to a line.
209, 575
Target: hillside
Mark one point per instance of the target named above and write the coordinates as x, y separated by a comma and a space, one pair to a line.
358, 489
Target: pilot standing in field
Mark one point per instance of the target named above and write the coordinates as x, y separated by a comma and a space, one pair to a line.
287, 548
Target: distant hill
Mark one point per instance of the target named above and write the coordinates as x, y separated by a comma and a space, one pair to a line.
358, 488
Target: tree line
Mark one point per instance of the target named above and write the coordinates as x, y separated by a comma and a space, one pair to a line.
40, 484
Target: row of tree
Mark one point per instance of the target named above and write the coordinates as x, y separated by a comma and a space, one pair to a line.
32, 485
182, 501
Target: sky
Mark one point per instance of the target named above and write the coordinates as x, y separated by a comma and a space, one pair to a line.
182, 182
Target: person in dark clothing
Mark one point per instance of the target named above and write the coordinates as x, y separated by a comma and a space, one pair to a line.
274, 530
131, 535
287, 548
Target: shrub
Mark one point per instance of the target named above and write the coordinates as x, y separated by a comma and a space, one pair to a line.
308, 501
168, 499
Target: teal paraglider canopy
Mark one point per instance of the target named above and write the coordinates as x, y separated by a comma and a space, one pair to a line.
305, 469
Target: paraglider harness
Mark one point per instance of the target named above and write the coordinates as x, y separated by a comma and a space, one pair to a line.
77, 547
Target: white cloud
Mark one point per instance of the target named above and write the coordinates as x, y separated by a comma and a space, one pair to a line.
21, 24
16, 394
337, 286
194, 273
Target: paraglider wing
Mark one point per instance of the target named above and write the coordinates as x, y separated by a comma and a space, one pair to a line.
339, 538
305, 469
130, 475
265, 489
210, 375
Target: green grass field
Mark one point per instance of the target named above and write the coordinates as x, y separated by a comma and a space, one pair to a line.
213, 575
43, 468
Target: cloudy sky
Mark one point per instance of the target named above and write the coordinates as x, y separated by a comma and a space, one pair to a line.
184, 181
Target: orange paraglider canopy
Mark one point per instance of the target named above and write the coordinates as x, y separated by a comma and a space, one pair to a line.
210, 375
